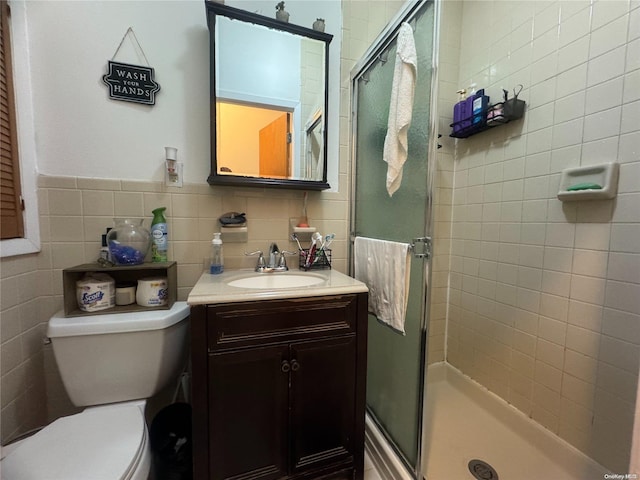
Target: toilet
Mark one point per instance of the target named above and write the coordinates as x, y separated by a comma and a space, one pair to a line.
110, 364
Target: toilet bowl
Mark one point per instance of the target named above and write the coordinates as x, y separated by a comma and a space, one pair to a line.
110, 364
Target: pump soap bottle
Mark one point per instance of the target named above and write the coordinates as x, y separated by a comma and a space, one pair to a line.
159, 232
217, 258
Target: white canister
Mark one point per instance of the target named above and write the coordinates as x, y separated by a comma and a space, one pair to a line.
152, 292
95, 292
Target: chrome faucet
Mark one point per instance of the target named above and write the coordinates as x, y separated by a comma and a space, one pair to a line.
276, 259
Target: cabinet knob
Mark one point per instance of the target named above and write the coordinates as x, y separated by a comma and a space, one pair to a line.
284, 366
295, 366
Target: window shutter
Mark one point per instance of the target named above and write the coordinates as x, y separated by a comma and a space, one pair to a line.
11, 221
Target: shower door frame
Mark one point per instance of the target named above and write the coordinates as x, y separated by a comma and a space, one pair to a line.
407, 13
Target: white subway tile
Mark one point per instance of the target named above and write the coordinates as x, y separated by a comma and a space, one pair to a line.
512, 190
602, 124
579, 365
588, 289
536, 187
568, 157
624, 267
550, 353
593, 236
567, 133
514, 169
562, 211
631, 87
548, 376
546, 44
609, 36
600, 151
626, 209
580, 391
540, 117
621, 325
510, 211
634, 24
624, 237
547, 19
557, 283
630, 117
620, 354
607, 66
575, 27
604, 95
544, 68
560, 235
623, 296
534, 211
558, 259
618, 382
554, 306
533, 234
605, 11
528, 300
633, 55
592, 263
600, 212
585, 315
531, 256
583, 341
569, 107
530, 278
542, 93
573, 54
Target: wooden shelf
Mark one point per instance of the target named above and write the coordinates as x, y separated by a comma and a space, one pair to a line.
120, 273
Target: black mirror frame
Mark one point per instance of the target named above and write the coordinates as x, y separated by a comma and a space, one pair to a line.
213, 9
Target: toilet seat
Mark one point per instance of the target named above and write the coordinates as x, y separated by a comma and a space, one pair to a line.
103, 443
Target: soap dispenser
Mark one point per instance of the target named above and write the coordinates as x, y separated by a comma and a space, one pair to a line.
216, 265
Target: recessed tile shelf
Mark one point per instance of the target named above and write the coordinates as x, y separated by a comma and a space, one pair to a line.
604, 175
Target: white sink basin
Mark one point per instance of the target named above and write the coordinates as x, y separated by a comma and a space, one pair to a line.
266, 281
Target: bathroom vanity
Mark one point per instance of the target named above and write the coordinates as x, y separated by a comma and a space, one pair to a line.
278, 375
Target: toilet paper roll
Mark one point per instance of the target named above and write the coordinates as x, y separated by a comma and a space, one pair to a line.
95, 292
152, 292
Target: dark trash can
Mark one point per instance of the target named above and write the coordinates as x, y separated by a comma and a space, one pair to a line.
171, 446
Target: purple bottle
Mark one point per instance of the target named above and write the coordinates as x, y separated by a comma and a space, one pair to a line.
460, 112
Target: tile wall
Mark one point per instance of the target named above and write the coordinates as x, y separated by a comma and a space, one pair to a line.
545, 296
74, 213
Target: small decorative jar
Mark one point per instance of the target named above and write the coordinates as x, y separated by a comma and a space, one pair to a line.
129, 241
281, 13
318, 25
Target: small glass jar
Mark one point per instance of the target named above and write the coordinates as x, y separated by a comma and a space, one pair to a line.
128, 241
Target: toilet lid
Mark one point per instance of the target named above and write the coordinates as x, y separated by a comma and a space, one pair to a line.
97, 444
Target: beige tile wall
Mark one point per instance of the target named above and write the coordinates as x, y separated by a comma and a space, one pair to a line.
74, 212
545, 295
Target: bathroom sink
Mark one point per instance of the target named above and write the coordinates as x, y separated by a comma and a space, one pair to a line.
264, 281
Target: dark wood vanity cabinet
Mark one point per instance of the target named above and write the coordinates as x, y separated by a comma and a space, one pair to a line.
278, 388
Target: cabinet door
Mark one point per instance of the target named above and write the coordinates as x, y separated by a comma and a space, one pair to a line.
248, 414
322, 402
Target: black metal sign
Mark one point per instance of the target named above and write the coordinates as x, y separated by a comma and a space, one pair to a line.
131, 83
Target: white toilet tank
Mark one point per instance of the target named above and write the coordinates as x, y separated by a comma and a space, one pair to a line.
120, 356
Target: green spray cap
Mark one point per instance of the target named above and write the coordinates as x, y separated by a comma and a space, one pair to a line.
158, 215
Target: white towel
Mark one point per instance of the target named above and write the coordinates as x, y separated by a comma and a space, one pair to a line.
401, 107
385, 268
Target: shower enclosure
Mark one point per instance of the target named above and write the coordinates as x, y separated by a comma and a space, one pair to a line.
396, 362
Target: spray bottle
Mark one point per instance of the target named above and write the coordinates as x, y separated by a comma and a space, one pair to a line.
159, 236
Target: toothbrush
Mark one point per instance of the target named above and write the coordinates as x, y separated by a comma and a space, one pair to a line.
294, 236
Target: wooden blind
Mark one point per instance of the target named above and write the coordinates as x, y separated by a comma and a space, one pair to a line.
11, 222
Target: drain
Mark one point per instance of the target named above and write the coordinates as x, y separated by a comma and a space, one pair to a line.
482, 470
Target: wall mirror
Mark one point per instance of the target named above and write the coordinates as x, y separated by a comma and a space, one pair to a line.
269, 100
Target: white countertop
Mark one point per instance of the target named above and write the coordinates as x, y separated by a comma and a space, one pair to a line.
214, 289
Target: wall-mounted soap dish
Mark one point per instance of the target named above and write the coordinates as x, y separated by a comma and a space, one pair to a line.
593, 182
303, 233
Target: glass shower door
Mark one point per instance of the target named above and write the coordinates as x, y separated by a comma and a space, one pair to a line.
396, 362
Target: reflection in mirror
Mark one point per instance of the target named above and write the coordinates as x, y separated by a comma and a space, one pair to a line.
269, 100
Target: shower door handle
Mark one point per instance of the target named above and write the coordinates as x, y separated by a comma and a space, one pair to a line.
425, 252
